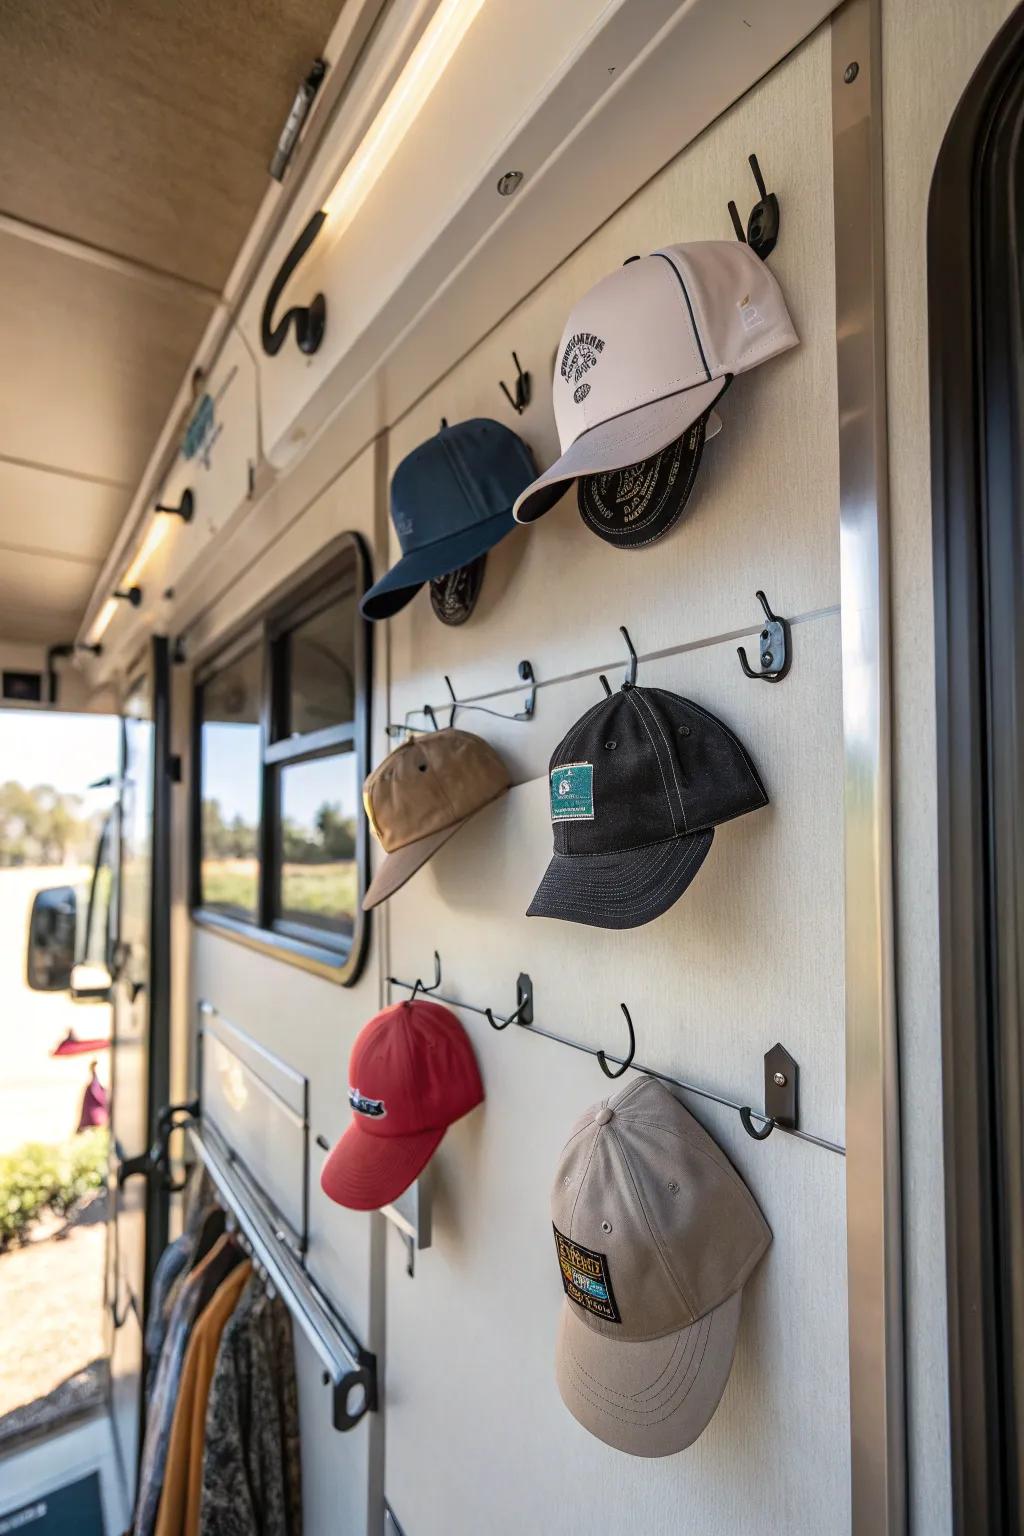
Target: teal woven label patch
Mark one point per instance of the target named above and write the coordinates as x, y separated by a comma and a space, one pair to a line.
572, 792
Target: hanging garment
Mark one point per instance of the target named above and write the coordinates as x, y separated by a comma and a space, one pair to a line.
205, 1228
252, 1476
179, 1501
171, 1265
196, 1291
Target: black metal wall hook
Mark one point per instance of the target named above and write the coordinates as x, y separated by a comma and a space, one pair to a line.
602, 1059
185, 509
775, 647
521, 399
781, 1075
524, 1006
132, 595
762, 230
629, 681
420, 985
310, 320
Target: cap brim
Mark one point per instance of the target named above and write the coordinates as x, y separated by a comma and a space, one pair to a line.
618, 443
400, 866
400, 585
652, 1398
620, 890
364, 1172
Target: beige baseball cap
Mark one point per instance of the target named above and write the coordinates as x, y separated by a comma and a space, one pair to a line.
647, 352
656, 1234
421, 795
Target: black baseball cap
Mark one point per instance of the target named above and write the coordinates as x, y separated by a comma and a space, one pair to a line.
637, 788
451, 501
633, 507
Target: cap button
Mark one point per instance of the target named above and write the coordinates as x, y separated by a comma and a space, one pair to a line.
603, 1115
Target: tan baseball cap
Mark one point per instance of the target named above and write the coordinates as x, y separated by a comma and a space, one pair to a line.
656, 1234
421, 795
648, 350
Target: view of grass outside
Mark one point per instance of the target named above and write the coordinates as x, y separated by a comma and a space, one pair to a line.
318, 871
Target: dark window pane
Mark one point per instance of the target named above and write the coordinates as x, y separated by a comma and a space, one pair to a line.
321, 667
317, 873
230, 769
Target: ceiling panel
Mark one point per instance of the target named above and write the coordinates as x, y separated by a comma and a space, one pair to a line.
40, 509
147, 128
38, 624
92, 361
44, 581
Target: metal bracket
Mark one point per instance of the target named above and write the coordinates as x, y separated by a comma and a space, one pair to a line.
781, 1075
776, 647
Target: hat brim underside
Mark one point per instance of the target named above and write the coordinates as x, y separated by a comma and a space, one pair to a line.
618, 443
365, 1171
400, 866
652, 1398
400, 585
620, 890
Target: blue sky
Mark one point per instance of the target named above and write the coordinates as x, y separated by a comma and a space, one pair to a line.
67, 751
231, 776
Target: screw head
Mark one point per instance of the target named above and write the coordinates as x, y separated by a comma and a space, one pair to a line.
779, 1079
851, 72
509, 183
767, 659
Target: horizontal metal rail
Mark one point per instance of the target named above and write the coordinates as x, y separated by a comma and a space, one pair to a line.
351, 1369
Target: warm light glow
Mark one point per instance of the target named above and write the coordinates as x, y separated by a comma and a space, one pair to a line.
410, 91
103, 619
147, 549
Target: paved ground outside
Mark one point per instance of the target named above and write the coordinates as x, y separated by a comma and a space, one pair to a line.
39, 1098
51, 1290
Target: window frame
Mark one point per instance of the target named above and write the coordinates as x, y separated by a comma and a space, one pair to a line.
269, 628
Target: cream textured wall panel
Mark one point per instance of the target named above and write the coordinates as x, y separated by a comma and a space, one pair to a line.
763, 513
929, 50
752, 953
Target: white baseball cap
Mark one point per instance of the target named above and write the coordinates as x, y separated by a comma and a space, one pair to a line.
647, 352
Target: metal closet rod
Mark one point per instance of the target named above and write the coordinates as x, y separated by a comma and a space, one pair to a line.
348, 1367
502, 1020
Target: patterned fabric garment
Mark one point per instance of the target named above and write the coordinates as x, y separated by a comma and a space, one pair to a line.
252, 1478
196, 1291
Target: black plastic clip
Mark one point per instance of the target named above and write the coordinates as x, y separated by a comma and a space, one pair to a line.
524, 1006
762, 230
781, 1075
602, 1059
521, 399
776, 647
310, 320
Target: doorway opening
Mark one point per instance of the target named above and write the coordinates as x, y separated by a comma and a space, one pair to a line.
57, 798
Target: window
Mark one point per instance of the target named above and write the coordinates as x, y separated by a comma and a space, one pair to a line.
281, 753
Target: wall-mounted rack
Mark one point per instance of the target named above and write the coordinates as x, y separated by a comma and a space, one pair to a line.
780, 1070
349, 1369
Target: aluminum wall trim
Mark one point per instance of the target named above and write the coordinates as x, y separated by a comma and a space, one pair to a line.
874, 1248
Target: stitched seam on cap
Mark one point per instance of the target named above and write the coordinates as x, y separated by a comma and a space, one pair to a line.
689, 309
676, 1283
579, 1191
748, 761
462, 476
661, 770
569, 742
641, 699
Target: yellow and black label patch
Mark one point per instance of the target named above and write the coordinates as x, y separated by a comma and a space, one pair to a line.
586, 1278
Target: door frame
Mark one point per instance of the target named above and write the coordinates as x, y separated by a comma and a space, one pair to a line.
976, 343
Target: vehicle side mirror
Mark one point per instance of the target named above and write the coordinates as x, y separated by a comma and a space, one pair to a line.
52, 931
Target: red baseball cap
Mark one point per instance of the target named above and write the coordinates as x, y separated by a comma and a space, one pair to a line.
412, 1074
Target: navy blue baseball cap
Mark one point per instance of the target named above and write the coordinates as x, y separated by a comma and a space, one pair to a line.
451, 501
